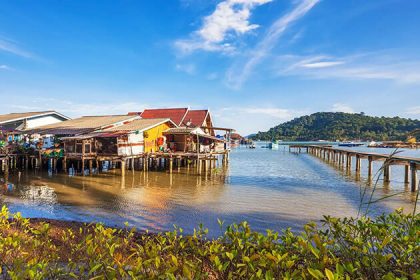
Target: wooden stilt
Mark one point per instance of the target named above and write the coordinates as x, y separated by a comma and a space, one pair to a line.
358, 161
406, 173
90, 167
65, 164
83, 167
414, 181
370, 159
387, 173
123, 167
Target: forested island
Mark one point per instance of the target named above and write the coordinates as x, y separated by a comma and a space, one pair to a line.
340, 126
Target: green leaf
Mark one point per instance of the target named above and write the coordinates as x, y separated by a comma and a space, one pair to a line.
95, 268
229, 255
316, 273
329, 274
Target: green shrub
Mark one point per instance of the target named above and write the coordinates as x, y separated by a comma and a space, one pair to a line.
386, 247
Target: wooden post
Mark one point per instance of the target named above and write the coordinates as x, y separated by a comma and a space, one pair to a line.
171, 164
123, 166
199, 166
349, 159
414, 182
83, 166
90, 167
65, 164
387, 173
406, 172
6, 168
370, 159
358, 163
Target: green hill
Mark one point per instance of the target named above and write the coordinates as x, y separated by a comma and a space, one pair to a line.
340, 126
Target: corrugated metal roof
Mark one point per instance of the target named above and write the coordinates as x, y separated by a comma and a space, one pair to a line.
181, 130
177, 115
140, 125
20, 116
193, 131
82, 125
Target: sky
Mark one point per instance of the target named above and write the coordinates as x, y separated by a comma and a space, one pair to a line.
253, 63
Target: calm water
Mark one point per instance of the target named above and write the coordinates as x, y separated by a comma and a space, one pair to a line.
269, 189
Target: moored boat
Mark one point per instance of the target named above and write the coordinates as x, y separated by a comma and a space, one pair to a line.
350, 144
273, 145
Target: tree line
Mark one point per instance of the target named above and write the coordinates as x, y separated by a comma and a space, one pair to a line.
340, 126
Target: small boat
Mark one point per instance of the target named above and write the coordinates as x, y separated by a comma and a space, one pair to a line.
350, 144
273, 145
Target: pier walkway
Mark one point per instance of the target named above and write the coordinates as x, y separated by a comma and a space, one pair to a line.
345, 158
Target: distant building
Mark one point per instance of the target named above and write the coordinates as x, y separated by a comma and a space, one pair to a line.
28, 120
12, 124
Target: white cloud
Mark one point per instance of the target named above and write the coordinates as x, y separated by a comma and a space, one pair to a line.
340, 107
413, 110
10, 46
368, 66
229, 19
239, 73
322, 64
5, 67
186, 68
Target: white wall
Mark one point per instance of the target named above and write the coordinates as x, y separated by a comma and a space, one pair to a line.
132, 150
44, 120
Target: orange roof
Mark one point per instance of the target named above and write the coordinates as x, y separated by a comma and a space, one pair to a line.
196, 117
176, 115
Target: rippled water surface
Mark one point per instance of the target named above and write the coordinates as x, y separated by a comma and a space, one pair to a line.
269, 189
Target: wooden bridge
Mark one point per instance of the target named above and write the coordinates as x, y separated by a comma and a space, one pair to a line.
344, 158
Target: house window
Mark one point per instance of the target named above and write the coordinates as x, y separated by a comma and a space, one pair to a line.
87, 148
79, 148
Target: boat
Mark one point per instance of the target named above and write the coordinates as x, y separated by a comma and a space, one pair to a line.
373, 144
350, 144
273, 145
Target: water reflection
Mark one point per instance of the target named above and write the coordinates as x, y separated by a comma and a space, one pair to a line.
270, 189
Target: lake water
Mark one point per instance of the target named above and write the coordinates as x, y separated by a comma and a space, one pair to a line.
269, 189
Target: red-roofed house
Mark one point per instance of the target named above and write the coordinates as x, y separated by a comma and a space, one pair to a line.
176, 115
199, 118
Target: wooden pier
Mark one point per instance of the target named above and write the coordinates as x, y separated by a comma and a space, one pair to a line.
345, 158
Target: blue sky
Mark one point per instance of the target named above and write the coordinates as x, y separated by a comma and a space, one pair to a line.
254, 63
